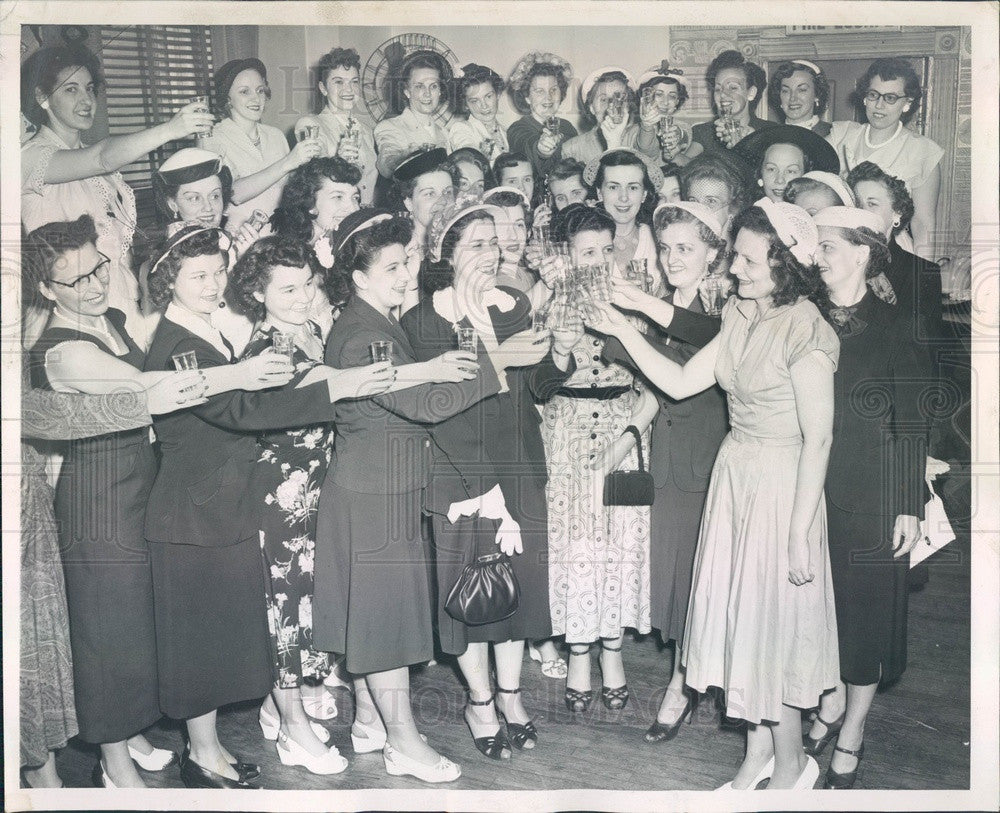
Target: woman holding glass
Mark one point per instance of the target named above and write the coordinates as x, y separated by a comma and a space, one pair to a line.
503, 467
761, 621
686, 433
736, 85
610, 104
662, 92
889, 95
341, 133
101, 497
63, 178
599, 555
477, 95
257, 154
798, 92
537, 87
373, 589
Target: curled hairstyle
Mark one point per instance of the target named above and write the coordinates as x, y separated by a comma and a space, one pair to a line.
791, 278
519, 93
436, 275
359, 252
800, 186
294, 217
879, 257
40, 72
754, 74
403, 190
627, 158
508, 200
472, 75
902, 203
468, 155
631, 99
160, 282
669, 216
785, 71
577, 218
887, 69
41, 250
566, 168
336, 58
682, 91
252, 272
164, 192
400, 77
711, 167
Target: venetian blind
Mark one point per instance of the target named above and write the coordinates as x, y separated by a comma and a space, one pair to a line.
151, 72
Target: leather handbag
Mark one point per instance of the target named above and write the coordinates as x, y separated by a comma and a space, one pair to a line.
629, 487
486, 591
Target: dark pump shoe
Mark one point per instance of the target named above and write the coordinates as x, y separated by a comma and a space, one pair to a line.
659, 732
194, 776
246, 770
844, 781
816, 747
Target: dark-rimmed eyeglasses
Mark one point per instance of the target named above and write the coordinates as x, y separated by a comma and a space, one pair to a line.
889, 98
80, 283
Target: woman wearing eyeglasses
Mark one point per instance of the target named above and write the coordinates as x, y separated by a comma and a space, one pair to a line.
889, 94
256, 153
101, 497
63, 178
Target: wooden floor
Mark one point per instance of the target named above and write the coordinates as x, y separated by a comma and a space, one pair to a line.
917, 734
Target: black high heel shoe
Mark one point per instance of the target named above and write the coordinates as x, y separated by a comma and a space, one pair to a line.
658, 732
496, 746
844, 781
815, 747
614, 699
579, 701
522, 735
246, 770
194, 775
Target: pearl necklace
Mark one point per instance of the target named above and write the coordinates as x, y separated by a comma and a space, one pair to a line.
868, 130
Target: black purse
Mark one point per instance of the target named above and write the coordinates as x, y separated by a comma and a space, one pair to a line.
486, 592
629, 487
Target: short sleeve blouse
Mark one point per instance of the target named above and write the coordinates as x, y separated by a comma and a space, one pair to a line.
908, 155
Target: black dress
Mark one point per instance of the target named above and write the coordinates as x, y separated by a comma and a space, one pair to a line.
100, 504
497, 440
875, 473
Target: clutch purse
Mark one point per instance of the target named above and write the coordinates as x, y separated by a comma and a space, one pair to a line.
629, 487
486, 592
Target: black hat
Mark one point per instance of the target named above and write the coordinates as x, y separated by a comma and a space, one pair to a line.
226, 75
821, 154
416, 164
355, 222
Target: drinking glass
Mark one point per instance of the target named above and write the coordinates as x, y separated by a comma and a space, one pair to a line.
204, 107
713, 292
538, 320
284, 343
257, 219
467, 339
637, 272
309, 132
381, 351
185, 361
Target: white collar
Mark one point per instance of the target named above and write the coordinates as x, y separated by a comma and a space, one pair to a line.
808, 124
445, 306
198, 326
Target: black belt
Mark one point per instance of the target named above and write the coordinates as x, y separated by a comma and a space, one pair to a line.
594, 393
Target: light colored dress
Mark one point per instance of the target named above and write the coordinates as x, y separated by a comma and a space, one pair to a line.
244, 159
751, 631
331, 130
471, 132
908, 155
398, 136
598, 555
106, 198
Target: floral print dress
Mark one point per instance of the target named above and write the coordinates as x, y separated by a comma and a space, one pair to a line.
289, 474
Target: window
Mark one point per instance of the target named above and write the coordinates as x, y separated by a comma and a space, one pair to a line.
151, 72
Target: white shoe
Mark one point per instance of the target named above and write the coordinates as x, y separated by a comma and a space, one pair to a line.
810, 773
398, 764
762, 774
270, 726
323, 707
372, 739
155, 760
555, 668
334, 679
291, 753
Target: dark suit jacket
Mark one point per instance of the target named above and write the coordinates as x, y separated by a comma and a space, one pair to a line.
465, 468
878, 454
704, 133
917, 283
685, 434
383, 445
523, 137
201, 495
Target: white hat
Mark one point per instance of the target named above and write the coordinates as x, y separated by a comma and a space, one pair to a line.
794, 228
698, 210
807, 64
188, 165
835, 183
442, 222
592, 78
850, 217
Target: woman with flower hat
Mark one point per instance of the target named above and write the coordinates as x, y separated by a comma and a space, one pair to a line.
761, 620
537, 87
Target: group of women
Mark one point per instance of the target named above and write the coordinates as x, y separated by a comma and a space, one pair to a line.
309, 509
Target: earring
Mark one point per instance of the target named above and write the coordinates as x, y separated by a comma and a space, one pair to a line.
760, 182
895, 222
